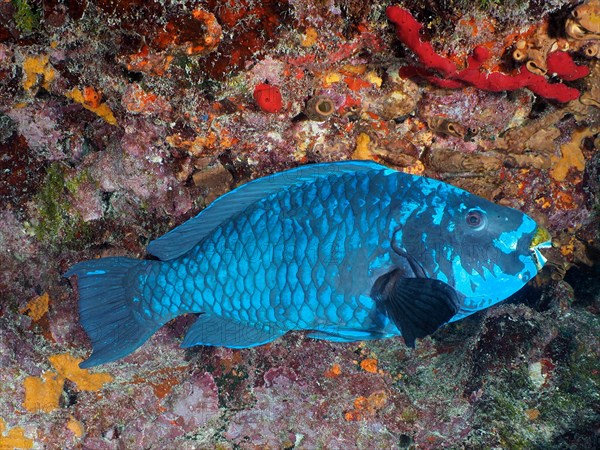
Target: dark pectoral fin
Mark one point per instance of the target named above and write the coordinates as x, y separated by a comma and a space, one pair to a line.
417, 306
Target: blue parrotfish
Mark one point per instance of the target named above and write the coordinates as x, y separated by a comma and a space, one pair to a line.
348, 251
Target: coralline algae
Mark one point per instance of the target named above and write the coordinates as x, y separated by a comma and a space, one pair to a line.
122, 119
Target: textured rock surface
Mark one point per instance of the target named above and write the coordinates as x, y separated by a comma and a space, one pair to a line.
121, 119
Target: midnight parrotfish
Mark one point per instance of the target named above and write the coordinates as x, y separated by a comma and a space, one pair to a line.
350, 251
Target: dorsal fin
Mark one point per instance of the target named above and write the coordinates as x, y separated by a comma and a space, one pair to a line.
181, 239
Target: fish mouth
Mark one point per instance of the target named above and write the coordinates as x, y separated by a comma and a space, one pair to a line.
541, 239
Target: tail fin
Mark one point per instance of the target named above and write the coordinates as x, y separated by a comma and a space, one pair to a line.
108, 288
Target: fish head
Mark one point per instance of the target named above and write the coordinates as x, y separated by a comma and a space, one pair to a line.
485, 251
496, 249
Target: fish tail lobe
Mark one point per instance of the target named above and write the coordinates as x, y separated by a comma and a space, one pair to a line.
109, 295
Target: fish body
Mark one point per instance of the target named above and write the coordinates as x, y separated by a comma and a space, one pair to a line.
350, 250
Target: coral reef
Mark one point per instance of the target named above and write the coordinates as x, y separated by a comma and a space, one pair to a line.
475, 73
120, 119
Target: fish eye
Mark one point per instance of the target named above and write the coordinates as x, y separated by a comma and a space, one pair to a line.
475, 219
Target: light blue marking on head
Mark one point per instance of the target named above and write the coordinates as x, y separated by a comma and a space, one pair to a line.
422, 208
507, 241
428, 185
437, 273
530, 269
460, 274
397, 232
449, 250
96, 272
438, 214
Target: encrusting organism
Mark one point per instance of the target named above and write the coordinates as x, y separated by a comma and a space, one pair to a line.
584, 23
443, 72
447, 126
268, 98
319, 108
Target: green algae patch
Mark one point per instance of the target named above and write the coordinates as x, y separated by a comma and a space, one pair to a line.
486, 4
73, 183
507, 414
57, 222
27, 17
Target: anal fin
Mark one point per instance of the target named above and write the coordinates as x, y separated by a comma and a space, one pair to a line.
417, 306
222, 332
340, 334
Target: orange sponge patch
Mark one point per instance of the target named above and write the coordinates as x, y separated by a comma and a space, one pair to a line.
37, 307
369, 365
15, 438
68, 367
43, 393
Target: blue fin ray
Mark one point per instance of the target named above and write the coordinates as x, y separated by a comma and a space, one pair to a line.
106, 288
340, 334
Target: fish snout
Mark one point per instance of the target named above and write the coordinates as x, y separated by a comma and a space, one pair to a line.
541, 239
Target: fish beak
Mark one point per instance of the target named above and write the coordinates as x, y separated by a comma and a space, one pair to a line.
542, 239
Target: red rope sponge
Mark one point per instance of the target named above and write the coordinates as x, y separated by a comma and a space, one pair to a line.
560, 63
